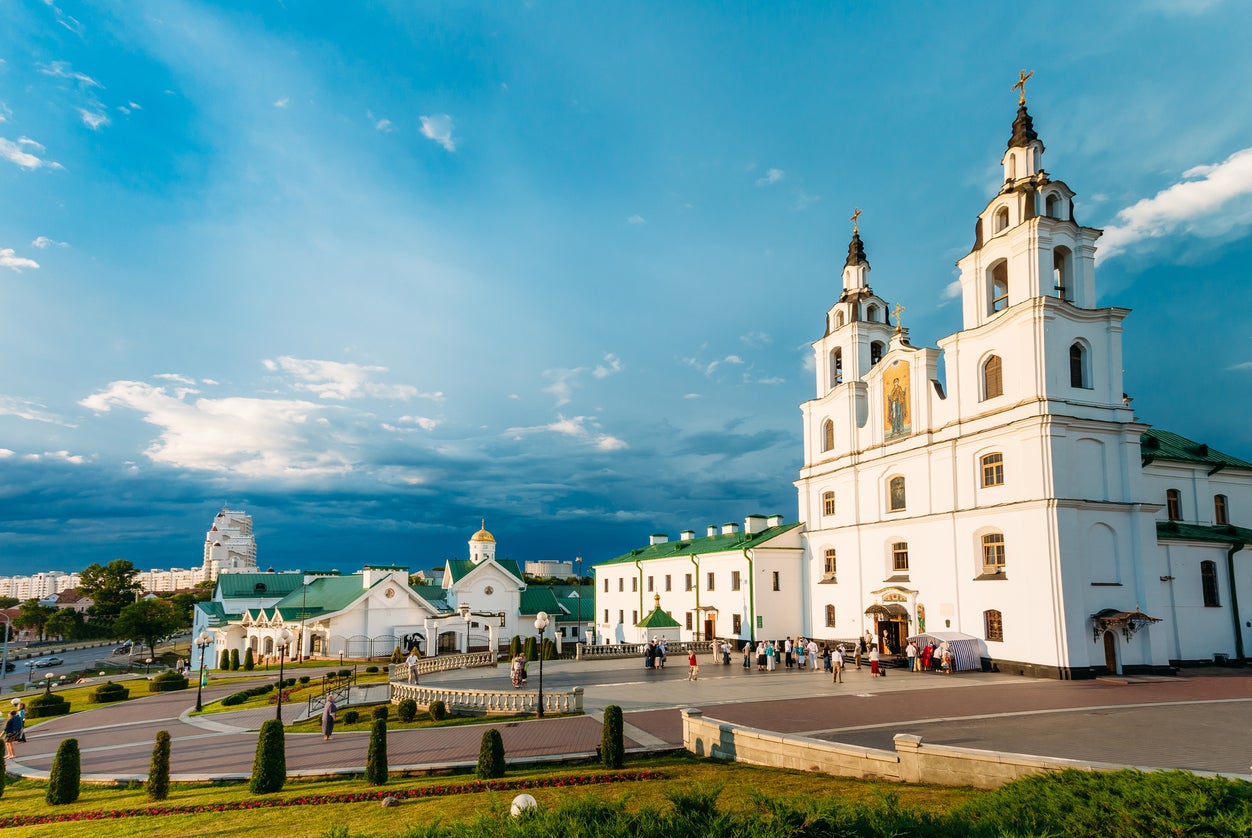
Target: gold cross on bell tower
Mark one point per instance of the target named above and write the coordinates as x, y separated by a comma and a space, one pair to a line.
856, 213
899, 308
1021, 85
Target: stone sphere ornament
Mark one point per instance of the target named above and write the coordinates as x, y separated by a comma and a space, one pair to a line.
523, 803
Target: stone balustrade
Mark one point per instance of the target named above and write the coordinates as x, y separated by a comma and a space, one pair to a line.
489, 702
636, 650
442, 663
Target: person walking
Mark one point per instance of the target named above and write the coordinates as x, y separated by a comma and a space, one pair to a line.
813, 654
411, 662
328, 717
873, 660
860, 651
12, 733
747, 654
770, 654
21, 714
787, 650
694, 664
836, 663
910, 652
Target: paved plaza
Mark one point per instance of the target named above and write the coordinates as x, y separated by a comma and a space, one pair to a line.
1201, 720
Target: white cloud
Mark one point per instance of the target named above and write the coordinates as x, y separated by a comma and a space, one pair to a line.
5, 453
611, 443
772, 380
248, 437
281, 103
804, 200
62, 456
635, 219
771, 176
612, 364
341, 381
14, 153
27, 141
93, 120
692, 396
175, 377
563, 383
9, 259
385, 126
1212, 202
423, 422
65, 20
581, 428
711, 367
29, 410
952, 290
1246, 365
438, 127
756, 339
63, 70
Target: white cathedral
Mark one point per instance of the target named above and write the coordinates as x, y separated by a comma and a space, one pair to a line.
1016, 502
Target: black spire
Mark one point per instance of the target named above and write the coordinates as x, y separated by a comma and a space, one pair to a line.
1023, 129
856, 252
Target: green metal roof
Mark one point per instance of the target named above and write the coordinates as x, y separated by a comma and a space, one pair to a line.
586, 599
249, 585
435, 595
1163, 445
658, 619
1218, 533
460, 568
699, 546
216, 615
538, 598
325, 595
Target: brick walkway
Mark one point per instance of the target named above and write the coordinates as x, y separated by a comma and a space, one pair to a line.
1202, 721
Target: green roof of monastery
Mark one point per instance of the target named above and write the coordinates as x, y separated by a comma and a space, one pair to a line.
658, 619
321, 596
586, 598
258, 584
460, 568
433, 594
1217, 533
1163, 445
217, 615
699, 546
538, 598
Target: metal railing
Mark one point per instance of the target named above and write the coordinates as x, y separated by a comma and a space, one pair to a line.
333, 684
489, 702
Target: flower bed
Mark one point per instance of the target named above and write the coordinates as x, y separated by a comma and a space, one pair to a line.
472, 787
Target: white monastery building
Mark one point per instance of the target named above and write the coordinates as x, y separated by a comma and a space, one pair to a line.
1016, 503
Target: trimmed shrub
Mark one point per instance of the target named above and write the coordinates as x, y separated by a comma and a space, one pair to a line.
344, 673
158, 785
66, 770
386, 669
46, 704
380, 712
438, 711
376, 756
515, 646
167, 682
249, 660
107, 692
234, 659
491, 755
612, 746
269, 769
396, 655
406, 711
351, 717
224, 663
528, 649
304, 679
370, 670
549, 649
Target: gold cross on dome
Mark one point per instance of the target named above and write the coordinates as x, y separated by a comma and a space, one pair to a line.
856, 213
1021, 85
899, 308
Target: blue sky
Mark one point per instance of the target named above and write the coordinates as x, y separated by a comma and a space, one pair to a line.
373, 272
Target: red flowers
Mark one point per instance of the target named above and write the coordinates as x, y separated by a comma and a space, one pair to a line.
340, 797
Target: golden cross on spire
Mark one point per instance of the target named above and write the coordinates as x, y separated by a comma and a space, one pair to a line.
899, 308
856, 213
1021, 85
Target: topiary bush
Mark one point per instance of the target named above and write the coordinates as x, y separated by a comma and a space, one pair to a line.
304, 679
234, 659
370, 670
612, 746
515, 646
344, 673
376, 756
269, 769
224, 663
249, 660
167, 682
66, 771
107, 692
381, 712
46, 704
351, 717
158, 785
528, 649
397, 655
438, 711
491, 755
406, 711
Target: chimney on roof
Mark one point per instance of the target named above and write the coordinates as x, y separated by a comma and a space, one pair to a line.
775, 521
687, 535
658, 538
712, 530
730, 529
754, 524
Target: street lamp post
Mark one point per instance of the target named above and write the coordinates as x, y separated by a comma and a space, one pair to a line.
541, 623
578, 599
465, 615
203, 642
284, 637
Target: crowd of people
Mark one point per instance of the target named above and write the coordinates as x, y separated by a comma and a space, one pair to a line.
807, 654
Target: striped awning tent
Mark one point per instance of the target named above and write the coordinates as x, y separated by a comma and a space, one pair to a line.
966, 649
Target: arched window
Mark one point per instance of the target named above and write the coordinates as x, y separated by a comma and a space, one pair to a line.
828, 569
876, 351
992, 378
830, 616
900, 556
999, 286
1208, 582
895, 494
1052, 205
1173, 504
992, 469
1002, 219
871, 313
828, 435
1062, 262
1079, 374
1221, 515
993, 552
828, 503
836, 367
993, 625
839, 320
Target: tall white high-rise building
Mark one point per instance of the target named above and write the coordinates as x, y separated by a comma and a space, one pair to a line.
228, 545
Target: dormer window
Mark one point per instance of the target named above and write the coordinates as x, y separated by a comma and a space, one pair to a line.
871, 314
1001, 220
1052, 205
839, 320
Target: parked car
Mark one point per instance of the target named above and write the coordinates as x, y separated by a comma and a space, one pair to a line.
43, 663
123, 650
9, 666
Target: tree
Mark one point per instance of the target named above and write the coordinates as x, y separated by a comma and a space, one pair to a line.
269, 769
491, 755
158, 784
110, 588
8, 601
66, 623
612, 746
184, 605
31, 615
63, 785
376, 755
148, 620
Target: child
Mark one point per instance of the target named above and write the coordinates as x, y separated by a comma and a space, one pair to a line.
695, 667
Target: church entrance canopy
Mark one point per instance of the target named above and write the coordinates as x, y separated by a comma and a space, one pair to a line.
887, 611
966, 649
1128, 621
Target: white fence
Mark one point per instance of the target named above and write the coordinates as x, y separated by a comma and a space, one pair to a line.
489, 702
636, 650
400, 672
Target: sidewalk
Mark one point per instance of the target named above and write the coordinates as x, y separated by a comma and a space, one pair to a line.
1200, 721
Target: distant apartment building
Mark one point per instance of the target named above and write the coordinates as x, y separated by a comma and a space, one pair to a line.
38, 586
229, 546
559, 570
